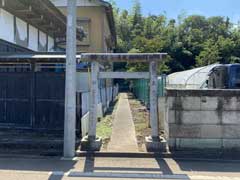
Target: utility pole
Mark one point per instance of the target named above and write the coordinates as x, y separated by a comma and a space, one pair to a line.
70, 84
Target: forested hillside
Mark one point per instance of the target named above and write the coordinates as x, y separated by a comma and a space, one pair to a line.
190, 41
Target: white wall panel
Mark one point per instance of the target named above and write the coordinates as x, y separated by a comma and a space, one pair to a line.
22, 28
21, 39
33, 38
82, 82
7, 26
62, 3
21, 33
50, 44
42, 41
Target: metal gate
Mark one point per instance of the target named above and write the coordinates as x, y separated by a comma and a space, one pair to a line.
15, 99
31, 100
49, 100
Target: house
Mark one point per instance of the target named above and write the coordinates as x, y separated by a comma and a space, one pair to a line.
32, 70
95, 18
29, 26
39, 26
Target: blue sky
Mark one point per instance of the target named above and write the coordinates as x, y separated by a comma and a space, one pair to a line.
173, 8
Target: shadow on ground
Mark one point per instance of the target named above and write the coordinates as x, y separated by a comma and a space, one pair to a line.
183, 163
34, 164
111, 107
162, 169
92, 162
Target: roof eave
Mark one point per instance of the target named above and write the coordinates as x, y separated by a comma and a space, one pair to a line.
111, 21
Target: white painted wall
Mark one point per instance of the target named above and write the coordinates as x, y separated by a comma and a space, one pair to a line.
22, 28
33, 38
7, 26
82, 82
62, 3
50, 44
42, 39
7, 32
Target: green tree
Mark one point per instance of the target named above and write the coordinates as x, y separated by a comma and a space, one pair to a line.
136, 19
190, 41
209, 55
226, 48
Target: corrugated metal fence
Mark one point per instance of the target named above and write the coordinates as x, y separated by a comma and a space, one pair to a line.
140, 89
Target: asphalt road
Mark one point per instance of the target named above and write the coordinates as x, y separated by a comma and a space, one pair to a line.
92, 168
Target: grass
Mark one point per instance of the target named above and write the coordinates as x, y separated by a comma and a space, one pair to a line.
104, 126
141, 121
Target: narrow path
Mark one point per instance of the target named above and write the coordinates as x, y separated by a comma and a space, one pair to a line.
123, 138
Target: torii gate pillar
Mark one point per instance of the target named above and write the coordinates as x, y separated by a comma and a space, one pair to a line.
154, 143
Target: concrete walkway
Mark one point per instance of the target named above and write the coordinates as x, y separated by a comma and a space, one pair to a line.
123, 137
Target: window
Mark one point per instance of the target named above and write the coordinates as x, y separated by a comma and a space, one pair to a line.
83, 26
235, 77
218, 78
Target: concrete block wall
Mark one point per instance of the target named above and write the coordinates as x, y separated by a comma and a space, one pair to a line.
201, 119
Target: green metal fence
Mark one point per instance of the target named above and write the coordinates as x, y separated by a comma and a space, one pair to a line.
140, 88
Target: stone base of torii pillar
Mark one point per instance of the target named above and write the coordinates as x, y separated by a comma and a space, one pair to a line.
156, 144
91, 144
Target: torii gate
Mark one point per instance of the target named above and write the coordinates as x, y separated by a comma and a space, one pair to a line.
154, 143
91, 142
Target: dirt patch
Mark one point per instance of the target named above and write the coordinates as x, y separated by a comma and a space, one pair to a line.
104, 125
141, 121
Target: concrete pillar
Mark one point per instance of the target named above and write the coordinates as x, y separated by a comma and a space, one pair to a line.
70, 89
154, 143
91, 142
153, 98
93, 101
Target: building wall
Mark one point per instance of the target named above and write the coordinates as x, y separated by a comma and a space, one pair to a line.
201, 119
51, 45
99, 29
95, 15
107, 44
33, 38
9, 47
83, 82
21, 32
62, 3
42, 41
18, 32
7, 26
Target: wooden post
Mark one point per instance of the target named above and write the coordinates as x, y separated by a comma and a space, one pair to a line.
93, 101
154, 98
